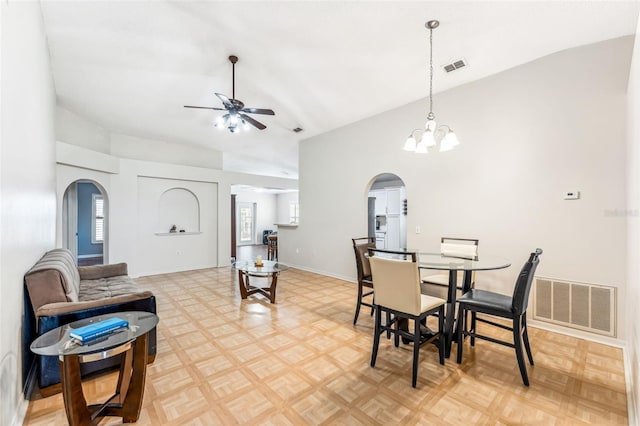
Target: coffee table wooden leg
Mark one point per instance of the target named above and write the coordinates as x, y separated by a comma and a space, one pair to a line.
272, 289
243, 286
133, 400
75, 403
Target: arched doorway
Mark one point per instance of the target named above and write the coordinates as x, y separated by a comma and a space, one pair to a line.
85, 222
387, 211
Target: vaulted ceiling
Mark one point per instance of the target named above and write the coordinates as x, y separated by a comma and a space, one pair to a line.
131, 66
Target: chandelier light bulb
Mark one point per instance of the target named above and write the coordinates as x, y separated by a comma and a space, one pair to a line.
410, 144
428, 139
421, 148
452, 139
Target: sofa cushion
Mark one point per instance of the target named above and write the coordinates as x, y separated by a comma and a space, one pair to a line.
44, 287
106, 287
102, 271
61, 260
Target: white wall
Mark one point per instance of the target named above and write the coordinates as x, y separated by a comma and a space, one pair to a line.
527, 135
632, 214
265, 210
156, 253
77, 130
27, 182
125, 146
120, 179
282, 205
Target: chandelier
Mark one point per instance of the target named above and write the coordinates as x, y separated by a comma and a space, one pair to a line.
432, 133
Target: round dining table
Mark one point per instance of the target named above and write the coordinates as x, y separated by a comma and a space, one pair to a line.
454, 264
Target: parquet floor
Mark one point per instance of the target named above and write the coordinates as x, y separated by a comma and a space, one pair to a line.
222, 360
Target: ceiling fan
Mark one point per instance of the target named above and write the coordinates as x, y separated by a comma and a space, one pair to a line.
236, 111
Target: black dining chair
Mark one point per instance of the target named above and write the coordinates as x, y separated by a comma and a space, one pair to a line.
360, 247
396, 283
499, 305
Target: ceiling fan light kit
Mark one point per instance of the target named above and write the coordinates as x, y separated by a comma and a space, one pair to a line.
432, 133
236, 117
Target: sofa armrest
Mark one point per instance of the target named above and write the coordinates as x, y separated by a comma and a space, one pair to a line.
59, 308
102, 271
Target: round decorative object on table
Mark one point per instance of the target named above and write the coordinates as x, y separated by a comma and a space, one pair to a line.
130, 341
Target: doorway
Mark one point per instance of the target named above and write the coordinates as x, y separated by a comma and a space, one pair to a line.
84, 222
387, 211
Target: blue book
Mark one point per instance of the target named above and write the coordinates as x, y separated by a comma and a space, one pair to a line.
98, 329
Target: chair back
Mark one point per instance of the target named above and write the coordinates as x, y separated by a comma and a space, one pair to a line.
523, 284
459, 247
396, 282
360, 247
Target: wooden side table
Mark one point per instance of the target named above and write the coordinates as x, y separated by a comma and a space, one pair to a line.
126, 402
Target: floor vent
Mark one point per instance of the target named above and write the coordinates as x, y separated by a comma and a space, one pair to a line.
587, 307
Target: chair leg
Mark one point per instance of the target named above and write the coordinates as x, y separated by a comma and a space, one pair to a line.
399, 324
388, 319
376, 336
416, 351
358, 303
525, 338
517, 341
462, 327
441, 334
473, 328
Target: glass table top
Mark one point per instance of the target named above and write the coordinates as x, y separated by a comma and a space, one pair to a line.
439, 261
57, 342
269, 267
448, 263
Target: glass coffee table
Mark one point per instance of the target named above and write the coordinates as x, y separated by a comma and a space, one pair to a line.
269, 269
131, 342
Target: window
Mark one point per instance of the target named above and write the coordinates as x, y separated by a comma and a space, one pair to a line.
294, 212
246, 222
97, 219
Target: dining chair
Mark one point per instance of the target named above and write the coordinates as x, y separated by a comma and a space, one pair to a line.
437, 284
360, 247
499, 305
272, 247
396, 283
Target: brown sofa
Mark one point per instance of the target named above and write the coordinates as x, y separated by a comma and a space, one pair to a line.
58, 292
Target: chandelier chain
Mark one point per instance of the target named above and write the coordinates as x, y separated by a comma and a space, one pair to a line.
431, 70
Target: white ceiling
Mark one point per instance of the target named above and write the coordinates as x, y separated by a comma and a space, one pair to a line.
131, 66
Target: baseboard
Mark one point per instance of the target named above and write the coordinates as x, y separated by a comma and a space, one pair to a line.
30, 383
320, 272
605, 340
21, 413
632, 409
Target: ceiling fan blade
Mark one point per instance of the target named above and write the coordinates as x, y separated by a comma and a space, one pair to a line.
217, 109
225, 101
253, 122
258, 111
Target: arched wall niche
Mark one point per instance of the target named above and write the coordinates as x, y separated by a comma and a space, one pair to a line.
179, 207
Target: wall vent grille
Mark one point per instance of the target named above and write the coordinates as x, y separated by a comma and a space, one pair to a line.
588, 307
